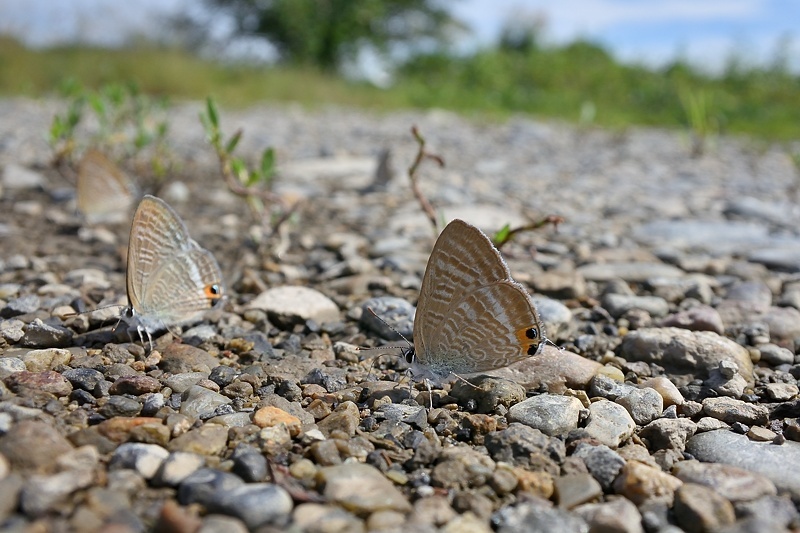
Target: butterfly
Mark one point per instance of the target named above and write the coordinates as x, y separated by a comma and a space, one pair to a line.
170, 278
105, 193
471, 316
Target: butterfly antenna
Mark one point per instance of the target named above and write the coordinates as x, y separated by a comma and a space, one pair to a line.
390, 326
554, 345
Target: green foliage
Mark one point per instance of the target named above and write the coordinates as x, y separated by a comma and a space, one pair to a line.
325, 33
127, 122
253, 184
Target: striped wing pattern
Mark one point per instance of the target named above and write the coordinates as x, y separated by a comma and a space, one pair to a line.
471, 316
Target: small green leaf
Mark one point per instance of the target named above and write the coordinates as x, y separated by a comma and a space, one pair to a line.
233, 141
239, 170
268, 164
211, 110
502, 235
253, 178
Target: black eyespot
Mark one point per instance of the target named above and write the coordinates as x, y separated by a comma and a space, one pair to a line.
215, 290
532, 349
532, 333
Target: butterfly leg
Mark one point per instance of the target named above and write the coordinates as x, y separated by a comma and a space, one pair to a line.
139, 330
467, 382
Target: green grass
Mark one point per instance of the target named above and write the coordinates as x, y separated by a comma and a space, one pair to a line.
553, 82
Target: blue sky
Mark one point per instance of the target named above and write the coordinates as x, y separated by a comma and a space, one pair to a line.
653, 31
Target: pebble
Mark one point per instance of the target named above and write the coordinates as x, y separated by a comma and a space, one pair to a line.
344, 418
289, 305
460, 467
642, 483
49, 359
762, 458
41, 493
327, 518
488, 392
201, 486
617, 515
631, 272
556, 369
176, 467
734, 484
198, 401
184, 381
681, 351
536, 517
781, 392
731, 410
670, 394
575, 489
619, 304
609, 423
519, 443
668, 434
20, 306
551, 414
360, 488
209, 439
215, 523
556, 316
603, 463
11, 365
181, 358
699, 318
390, 318
255, 504
135, 385
643, 404
249, 464
775, 355
41, 335
145, 459
120, 406
699, 508
32, 446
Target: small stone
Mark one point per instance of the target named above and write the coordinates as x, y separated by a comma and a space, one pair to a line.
488, 392
326, 519
290, 305
461, 468
699, 318
325, 453
609, 423
522, 445
781, 392
345, 418
179, 358
10, 365
41, 335
556, 369
723, 385
644, 405
730, 410
614, 516
49, 359
603, 463
708, 423
33, 446
41, 493
775, 355
668, 391
84, 378
144, 458
553, 415
12, 331
575, 489
536, 517
20, 306
733, 483
361, 489
255, 504
47, 381
202, 485
249, 464
118, 429
135, 385
642, 483
699, 509
120, 406
619, 304
389, 316
269, 416
761, 434
198, 401
182, 382
668, 434
217, 523
209, 439
176, 468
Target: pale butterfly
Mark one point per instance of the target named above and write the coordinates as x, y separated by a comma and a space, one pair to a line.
170, 278
105, 193
471, 316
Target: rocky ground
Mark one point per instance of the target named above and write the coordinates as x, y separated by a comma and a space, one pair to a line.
672, 289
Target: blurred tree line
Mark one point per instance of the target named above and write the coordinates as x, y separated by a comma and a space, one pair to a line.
327, 33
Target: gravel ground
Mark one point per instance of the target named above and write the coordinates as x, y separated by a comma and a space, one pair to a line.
672, 290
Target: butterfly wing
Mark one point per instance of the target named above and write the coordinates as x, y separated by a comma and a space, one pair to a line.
181, 287
487, 328
104, 191
158, 237
463, 259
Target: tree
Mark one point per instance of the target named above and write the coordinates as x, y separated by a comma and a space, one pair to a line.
325, 33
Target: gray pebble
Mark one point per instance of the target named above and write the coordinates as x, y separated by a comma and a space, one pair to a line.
488, 392
41, 335
619, 304
603, 463
730, 410
255, 504
609, 423
396, 312
551, 414
11, 365
83, 378
774, 355
198, 401
182, 382
644, 405
12, 330
21, 306
143, 458
120, 406
41, 493
536, 517
668, 433
176, 468
201, 486
249, 464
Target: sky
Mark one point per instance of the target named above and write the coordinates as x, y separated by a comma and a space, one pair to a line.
705, 32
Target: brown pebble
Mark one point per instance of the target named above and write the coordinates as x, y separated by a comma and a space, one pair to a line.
47, 381
118, 428
135, 385
269, 416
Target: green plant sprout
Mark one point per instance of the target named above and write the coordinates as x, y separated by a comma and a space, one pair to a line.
128, 124
697, 108
254, 185
507, 233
